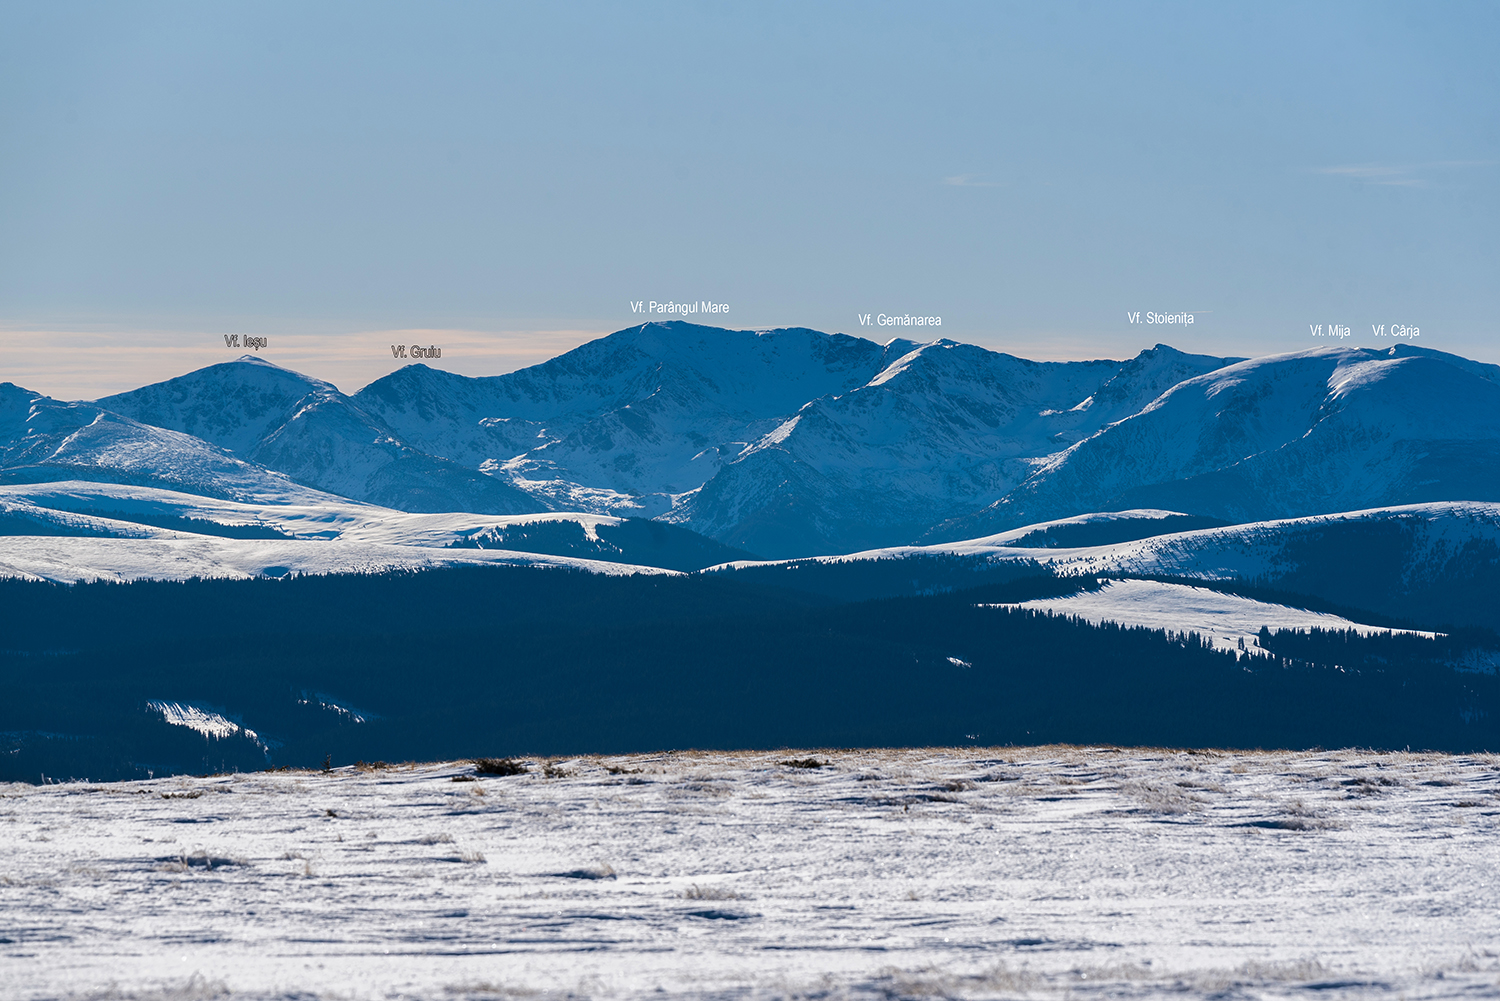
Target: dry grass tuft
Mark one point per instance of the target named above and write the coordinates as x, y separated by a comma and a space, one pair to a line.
198, 860
1371, 785
932, 983
195, 988
696, 892
1290, 971
485, 989
38, 881
605, 871
1161, 797
499, 766
804, 763
1301, 822
1207, 785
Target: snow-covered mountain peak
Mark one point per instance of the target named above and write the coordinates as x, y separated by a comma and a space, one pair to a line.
258, 360
905, 360
1150, 374
1301, 433
308, 430
42, 440
942, 426
795, 442
234, 404
15, 406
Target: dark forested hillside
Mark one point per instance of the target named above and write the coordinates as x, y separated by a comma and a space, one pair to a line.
499, 661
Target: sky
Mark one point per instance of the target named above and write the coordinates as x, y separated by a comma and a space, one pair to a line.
504, 180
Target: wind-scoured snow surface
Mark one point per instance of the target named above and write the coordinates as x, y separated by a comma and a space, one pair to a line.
69, 560
1229, 621
973, 873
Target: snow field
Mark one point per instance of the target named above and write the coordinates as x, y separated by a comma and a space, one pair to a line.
1031, 872
1228, 621
334, 518
70, 560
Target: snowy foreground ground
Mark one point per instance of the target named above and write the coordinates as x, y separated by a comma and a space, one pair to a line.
1043, 872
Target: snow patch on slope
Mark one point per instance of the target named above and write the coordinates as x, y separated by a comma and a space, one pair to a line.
203, 719
1229, 621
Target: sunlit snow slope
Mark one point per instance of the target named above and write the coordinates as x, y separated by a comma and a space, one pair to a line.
113, 510
1331, 429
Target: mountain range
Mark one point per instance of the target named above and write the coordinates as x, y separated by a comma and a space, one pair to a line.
1332, 429
794, 443
665, 536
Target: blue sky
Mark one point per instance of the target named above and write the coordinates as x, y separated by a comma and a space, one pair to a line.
508, 178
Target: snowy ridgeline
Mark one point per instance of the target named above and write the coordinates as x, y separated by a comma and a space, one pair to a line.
790, 443
984, 873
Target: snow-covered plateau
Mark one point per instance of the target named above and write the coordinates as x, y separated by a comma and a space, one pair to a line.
69, 560
1050, 872
97, 511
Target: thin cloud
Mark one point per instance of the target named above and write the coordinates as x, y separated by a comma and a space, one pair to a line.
969, 181
1397, 175
1362, 172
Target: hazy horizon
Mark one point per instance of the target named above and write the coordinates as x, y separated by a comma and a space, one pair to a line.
89, 365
